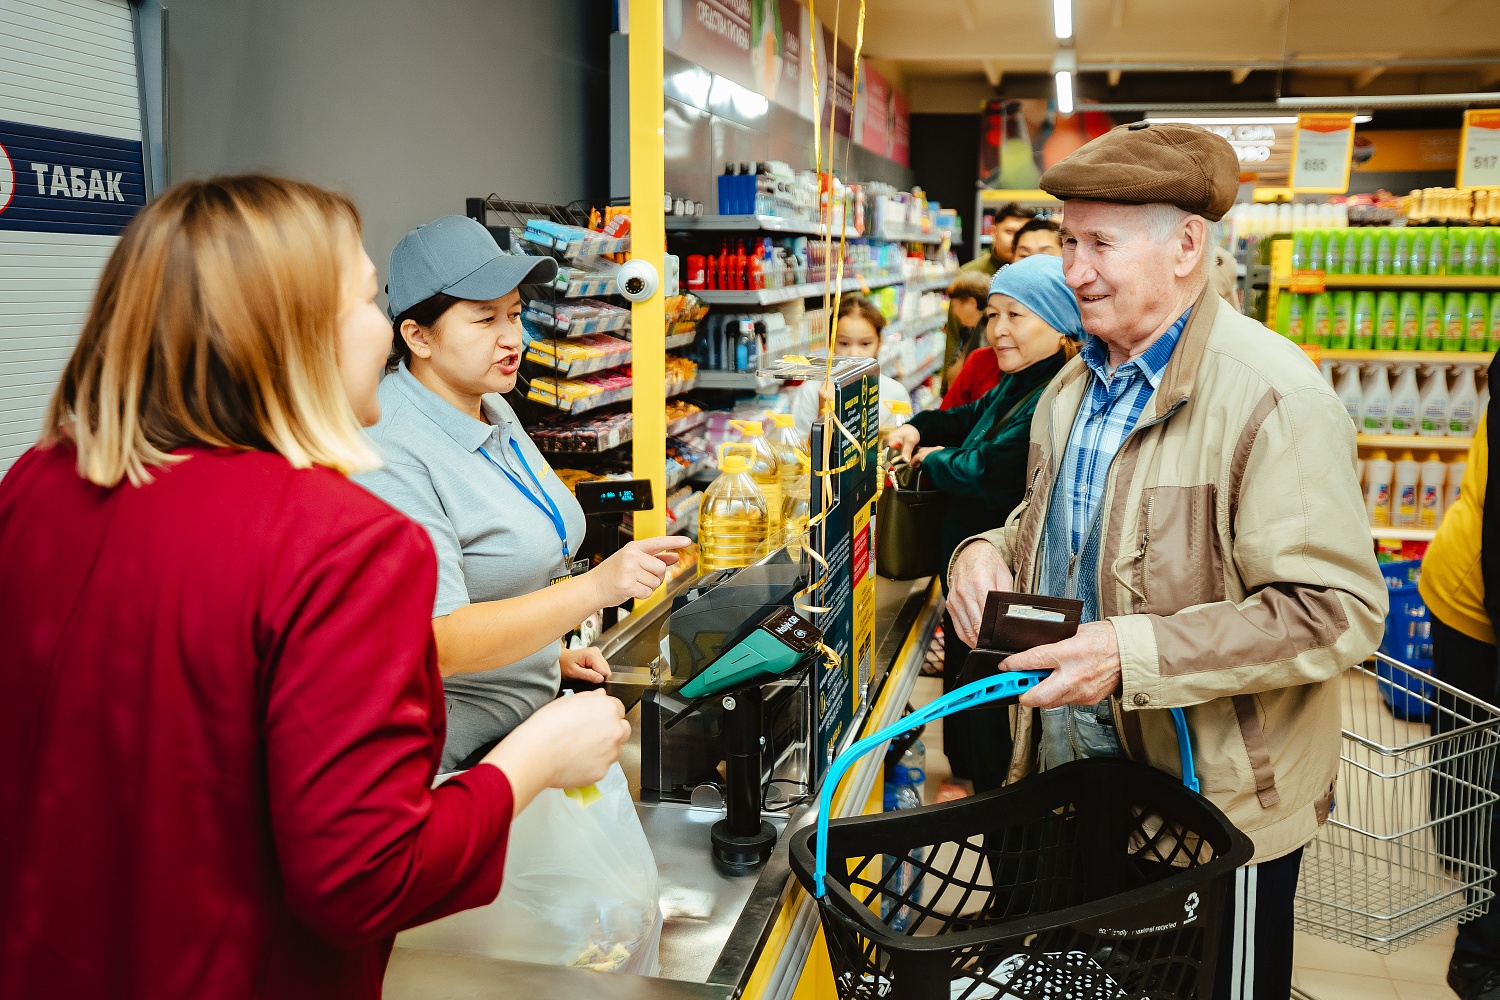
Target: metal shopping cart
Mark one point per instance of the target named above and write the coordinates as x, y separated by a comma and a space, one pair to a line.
1100, 879
1406, 850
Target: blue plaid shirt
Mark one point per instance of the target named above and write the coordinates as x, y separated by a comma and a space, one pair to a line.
1110, 410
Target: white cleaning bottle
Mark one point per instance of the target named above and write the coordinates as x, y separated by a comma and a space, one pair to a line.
1430, 499
1404, 497
1351, 394
1326, 367
1463, 403
1455, 483
1375, 414
1378, 471
1405, 402
1433, 410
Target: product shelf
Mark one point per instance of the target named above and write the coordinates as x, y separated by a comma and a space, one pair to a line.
741, 223
774, 296
777, 224
931, 284
609, 323
583, 404
928, 369
678, 341
1408, 357
1414, 442
747, 381
578, 246
539, 353
1404, 534
918, 326
617, 437
574, 284
1373, 282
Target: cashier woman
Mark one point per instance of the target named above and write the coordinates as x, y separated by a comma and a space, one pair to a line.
456, 460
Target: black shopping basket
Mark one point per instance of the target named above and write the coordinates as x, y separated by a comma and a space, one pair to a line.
1097, 879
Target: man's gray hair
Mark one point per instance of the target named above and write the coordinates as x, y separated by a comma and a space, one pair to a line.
1165, 221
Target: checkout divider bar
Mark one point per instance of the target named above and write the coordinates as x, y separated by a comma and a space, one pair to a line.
799, 910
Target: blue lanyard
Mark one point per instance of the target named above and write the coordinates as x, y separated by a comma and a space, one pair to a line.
541, 499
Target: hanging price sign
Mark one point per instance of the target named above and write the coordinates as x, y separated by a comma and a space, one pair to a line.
1479, 150
1321, 151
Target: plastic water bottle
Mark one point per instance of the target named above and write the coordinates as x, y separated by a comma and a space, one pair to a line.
904, 778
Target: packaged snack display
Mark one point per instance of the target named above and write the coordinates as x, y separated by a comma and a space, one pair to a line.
579, 355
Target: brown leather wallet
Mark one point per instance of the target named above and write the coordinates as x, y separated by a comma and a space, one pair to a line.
1016, 622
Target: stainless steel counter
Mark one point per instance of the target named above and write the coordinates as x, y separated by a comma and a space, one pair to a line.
716, 926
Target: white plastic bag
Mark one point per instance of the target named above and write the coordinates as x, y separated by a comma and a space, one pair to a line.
580, 890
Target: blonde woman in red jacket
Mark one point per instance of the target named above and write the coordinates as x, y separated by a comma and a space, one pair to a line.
220, 710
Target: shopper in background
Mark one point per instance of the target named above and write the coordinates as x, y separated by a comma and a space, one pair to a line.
1009, 219
1225, 277
1037, 236
1192, 482
857, 336
457, 461
967, 293
977, 453
222, 714
1455, 587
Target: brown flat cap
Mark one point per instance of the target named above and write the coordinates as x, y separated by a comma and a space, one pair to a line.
1146, 163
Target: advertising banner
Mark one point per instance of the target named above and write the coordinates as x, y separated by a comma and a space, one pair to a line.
767, 47
872, 113
900, 129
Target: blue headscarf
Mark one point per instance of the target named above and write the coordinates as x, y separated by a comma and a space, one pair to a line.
1037, 283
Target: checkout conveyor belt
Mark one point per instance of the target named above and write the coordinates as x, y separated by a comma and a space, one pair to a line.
755, 940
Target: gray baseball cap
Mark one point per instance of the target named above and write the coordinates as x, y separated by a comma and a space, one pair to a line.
458, 256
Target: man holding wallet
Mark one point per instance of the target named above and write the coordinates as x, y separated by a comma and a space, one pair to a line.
1191, 486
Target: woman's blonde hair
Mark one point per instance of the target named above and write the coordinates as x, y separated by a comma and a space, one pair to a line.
216, 323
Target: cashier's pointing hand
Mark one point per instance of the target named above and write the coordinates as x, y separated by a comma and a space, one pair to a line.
635, 571
1085, 669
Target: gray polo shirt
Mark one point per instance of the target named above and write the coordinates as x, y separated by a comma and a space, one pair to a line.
492, 541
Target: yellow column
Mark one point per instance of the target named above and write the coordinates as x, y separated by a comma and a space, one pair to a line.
649, 242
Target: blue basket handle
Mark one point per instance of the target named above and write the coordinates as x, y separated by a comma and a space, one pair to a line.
981, 692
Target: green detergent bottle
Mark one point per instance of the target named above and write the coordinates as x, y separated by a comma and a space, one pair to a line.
1341, 330
1409, 325
1431, 337
1362, 335
1453, 321
1319, 317
1386, 319
1476, 321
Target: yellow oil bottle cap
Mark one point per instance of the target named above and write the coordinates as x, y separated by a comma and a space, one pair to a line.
782, 419
899, 406
748, 428
735, 457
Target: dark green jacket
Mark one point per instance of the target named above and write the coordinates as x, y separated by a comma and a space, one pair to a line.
983, 461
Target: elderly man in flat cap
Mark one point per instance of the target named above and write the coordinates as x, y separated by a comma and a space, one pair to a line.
1192, 481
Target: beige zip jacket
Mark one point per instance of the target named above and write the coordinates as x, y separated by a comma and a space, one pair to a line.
1236, 566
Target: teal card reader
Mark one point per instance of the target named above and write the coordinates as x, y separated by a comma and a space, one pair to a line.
775, 646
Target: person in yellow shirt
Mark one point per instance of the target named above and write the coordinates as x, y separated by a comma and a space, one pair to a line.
1455, 571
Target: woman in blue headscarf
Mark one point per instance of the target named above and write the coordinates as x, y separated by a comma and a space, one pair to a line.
977, 453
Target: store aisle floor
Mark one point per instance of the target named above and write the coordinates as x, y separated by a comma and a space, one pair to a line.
1325, 969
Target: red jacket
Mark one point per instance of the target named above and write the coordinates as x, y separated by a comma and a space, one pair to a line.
220, 716
980, 374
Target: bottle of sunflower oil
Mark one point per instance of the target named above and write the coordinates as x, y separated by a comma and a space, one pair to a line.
732, 518
795, 467
766, 472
